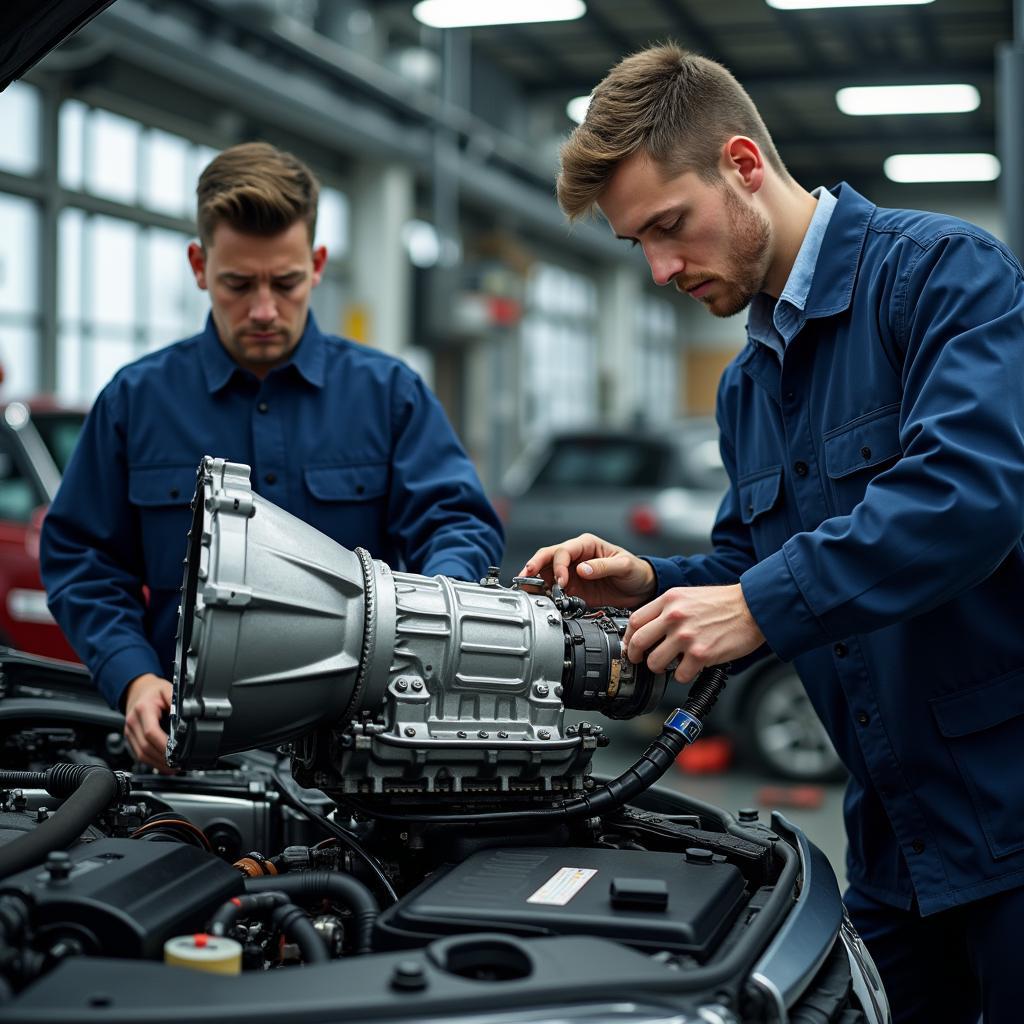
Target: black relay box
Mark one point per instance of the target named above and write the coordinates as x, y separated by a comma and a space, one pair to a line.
649, 900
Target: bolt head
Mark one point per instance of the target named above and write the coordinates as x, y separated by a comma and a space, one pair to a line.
502, 735
461, 734
401, 684
542, 689
544, 734
409, 731
417, 685
483, 734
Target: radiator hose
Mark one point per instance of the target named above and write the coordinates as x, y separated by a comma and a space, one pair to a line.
86, 790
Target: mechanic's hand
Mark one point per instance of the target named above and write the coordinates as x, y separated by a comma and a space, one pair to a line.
699, 625
147, 698
601, 573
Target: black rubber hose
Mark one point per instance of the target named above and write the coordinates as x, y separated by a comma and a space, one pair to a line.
344, 889
92, 788
296, 926
252, 905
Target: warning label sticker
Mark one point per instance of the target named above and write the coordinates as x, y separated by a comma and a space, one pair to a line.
562, 886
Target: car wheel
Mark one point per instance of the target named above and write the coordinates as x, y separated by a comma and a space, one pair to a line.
783, 732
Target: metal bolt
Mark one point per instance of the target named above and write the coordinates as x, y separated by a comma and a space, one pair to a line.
461, 734
502, 735
544, 734
58, 865
541, 689
571, 730
42, 814
553, 619
409, 731
401, 684
417, 685
483, 735
558, 689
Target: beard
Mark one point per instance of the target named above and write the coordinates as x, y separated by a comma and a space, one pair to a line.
748, 257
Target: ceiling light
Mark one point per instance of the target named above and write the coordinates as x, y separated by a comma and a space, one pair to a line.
577, 108
913, 167
468, 13
908, 99
806, 5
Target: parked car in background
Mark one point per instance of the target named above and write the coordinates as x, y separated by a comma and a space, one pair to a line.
36, 441
656, 491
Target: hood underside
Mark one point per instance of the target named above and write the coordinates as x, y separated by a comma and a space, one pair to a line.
30, 29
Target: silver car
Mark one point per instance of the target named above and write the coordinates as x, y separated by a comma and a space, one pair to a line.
656, 491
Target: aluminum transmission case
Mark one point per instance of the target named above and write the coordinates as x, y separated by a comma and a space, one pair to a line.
385, 682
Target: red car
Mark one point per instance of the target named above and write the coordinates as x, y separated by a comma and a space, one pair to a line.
36, 441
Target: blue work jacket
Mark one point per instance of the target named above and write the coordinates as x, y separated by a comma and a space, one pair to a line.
874, 522
344, 437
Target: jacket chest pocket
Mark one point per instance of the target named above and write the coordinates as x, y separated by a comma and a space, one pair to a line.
761, 509
857, 452
349, 503
161, 496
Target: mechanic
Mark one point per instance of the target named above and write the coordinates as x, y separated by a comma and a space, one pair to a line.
873, 432
347, 438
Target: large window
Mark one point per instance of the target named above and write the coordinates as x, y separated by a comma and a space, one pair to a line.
559, 364
124, 221
656, 379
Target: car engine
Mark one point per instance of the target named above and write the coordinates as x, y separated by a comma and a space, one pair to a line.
440, 833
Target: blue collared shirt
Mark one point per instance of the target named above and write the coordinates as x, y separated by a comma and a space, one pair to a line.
344, 437
874, 523
774, 322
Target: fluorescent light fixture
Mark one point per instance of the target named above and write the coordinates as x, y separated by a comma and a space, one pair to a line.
577, 108
908, 99
470, 13
807, 5
914, 167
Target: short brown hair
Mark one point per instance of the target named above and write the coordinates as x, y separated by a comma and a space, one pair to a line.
257, 189
675, 106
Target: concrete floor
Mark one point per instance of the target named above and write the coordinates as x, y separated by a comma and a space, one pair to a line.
739, 786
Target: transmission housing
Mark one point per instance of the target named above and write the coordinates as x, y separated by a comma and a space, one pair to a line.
385, 684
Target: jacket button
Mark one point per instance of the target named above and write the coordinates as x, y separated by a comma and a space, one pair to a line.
271, 478
862, 718
840, 650
917, 846
865, 452
800, 468
262, 407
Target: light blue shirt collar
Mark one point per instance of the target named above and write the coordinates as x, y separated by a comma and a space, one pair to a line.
774, 323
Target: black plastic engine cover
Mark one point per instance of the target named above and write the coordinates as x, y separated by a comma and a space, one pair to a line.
574, 891
125, 897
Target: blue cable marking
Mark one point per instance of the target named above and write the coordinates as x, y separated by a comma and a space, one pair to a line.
685, 724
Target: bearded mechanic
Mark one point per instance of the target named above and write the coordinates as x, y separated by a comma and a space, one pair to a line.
873, 431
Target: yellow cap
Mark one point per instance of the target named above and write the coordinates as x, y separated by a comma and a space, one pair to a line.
202, 952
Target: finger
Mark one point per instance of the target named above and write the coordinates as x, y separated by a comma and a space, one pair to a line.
600, 568
664, 653
564, 557
689, 668
150, 738
641, 617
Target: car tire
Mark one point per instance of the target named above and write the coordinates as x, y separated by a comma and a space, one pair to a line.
782, 731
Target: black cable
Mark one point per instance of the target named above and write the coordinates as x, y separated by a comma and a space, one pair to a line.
342, 888
342, 834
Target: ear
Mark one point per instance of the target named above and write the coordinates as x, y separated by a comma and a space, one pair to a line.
197, 261
743, 161
319, 262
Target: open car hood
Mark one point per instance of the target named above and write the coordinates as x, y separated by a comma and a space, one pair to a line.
30, 29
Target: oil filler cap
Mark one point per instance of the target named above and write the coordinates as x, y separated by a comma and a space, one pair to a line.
639, 894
